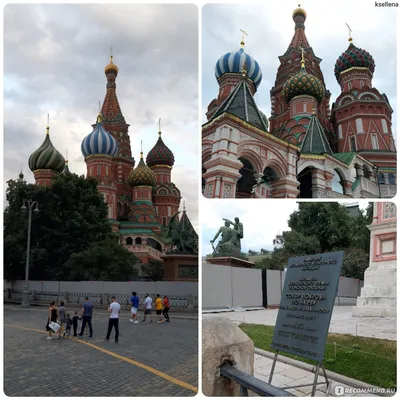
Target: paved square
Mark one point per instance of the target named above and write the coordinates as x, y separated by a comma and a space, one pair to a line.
149, 360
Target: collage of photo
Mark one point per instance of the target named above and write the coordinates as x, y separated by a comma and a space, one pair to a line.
200, 199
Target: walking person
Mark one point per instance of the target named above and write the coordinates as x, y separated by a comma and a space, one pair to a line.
166, 308
62, 317
135, 306
87, 312
53, 315
159, 305
114, 310
148, 305
75, 320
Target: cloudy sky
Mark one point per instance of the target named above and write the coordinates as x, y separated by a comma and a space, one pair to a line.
54, 59
261, 222
270, 28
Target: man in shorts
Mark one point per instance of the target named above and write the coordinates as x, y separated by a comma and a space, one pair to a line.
148, 305
135, 306
159, 308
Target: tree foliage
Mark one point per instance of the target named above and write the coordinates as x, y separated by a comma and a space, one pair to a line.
103, 260
154, 269
72, 217
324, 227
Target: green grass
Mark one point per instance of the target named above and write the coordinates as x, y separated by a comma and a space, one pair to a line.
377, 368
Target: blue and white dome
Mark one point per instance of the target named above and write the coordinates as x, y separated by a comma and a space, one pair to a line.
99, 142
234, 63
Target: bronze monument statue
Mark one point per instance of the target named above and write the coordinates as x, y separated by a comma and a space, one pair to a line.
229, 244
183, 237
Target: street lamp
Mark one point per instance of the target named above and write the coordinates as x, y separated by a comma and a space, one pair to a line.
27, 205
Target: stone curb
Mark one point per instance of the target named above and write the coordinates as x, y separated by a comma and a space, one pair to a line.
332, 375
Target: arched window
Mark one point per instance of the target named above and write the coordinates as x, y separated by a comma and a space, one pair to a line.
269, 175
391, 179
381, 178
119, 209
138, 240
129, 241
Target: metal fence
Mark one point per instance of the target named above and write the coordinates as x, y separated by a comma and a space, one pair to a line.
184, 303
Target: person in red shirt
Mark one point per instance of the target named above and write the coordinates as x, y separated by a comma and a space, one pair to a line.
166, 308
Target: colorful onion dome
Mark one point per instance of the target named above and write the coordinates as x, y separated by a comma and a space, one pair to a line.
354, 57
46, 156
111, 67
99, 142
160, 154
303, 83
142, 175
234, 62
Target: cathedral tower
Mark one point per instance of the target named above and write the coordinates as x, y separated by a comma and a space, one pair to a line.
166, 195
99, 148
362, 116
114, 123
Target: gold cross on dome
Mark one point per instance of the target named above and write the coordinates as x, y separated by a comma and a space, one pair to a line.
350, 38
303, 61
242, 43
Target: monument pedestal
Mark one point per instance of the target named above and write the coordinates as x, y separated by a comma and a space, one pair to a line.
379, 295
181, 267
231, 261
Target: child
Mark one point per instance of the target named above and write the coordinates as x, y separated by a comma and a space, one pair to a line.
75, 320
68, 326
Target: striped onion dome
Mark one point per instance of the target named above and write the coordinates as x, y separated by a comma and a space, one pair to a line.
160, 154
234, 63
46, 157
142, 175
99, 142
354, 57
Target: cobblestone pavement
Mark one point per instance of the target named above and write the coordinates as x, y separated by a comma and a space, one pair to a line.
149, 360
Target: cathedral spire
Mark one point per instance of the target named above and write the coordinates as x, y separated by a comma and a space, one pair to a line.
299, 38
111, 110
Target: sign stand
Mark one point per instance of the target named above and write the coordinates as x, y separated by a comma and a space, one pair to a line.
314, 384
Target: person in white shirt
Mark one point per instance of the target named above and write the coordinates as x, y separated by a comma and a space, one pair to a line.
114, 310
148, 305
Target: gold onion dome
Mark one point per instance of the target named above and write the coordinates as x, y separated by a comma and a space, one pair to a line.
142, 175
302, 84
111, 67
299, 11
46, 157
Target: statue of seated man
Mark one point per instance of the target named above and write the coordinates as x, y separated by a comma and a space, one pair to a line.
228, 242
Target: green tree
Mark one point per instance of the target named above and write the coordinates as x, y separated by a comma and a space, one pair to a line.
154, 269
72, 215
103, 260
320, 228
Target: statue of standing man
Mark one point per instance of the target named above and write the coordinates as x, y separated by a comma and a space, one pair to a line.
238, 227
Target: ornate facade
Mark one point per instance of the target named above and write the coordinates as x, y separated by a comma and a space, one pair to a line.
141, 200
307, 148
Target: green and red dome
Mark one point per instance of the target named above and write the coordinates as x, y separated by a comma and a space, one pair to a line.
302, 84
354, 57
160, 154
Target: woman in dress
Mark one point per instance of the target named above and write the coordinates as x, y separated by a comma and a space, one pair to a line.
53, 315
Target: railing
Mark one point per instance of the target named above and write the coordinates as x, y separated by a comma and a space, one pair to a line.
248, 382
176, 302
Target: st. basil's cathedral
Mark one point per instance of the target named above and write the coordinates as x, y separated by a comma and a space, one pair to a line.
306, 149
141, 200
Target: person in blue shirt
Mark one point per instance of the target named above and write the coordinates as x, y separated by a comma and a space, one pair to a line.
87, 311
135, 306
